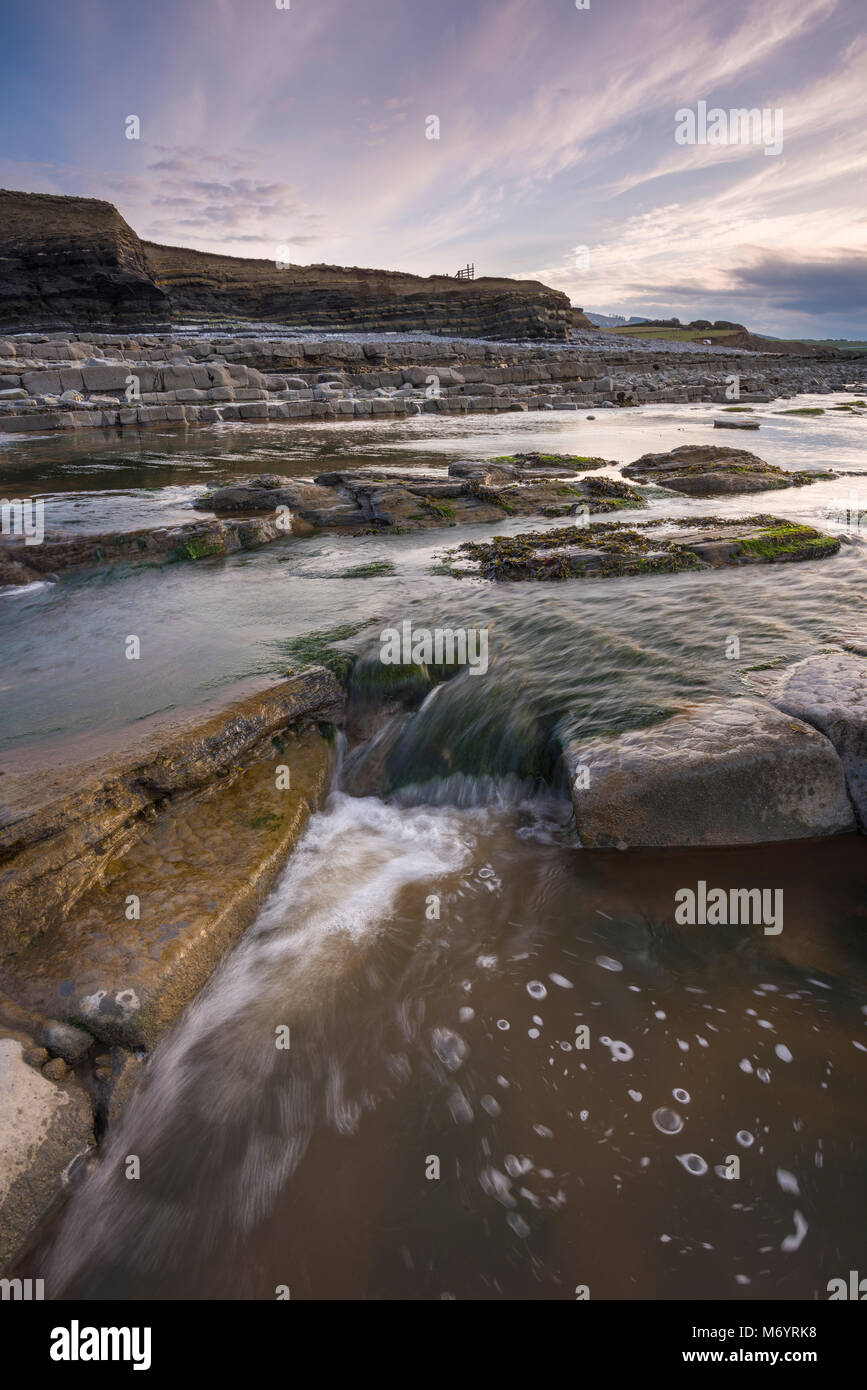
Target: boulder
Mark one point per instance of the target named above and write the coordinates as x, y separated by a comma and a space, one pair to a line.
704, 470
65, 1040
829, 692
43, 1127
723, 772
41, 383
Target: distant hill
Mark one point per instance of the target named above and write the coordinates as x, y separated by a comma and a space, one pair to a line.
610, 320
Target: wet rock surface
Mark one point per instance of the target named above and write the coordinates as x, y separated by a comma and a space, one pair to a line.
702, 470
44, 1126
381, 500
21, 563
829, 692
197, 878
609, 549
58, 835
724, 772
121, 888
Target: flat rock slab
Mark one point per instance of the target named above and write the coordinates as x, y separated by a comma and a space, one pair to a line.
515, 467
610, 549
57, 834
379, 499
196, 540
43, 1127
724, 772
707, 470
198, 876
830, 693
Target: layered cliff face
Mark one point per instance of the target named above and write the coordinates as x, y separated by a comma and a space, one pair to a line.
73, 262
208, 287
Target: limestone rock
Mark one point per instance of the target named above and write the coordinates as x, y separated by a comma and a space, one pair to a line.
43, 1127
59, 835
703, 470
72, 261
723, 772
830, 693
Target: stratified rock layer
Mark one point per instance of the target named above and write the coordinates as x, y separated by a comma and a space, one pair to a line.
74, 262
59, 835
199, 875
203, 286
70, 262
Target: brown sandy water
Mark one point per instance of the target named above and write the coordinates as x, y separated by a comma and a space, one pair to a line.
413, 1039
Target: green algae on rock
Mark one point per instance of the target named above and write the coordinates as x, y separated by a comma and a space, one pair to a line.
200, 873
59, 832
707, 470
369, 501
608, 549
577, 463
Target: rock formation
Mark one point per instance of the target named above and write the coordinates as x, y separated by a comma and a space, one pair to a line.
605, 550
74, 262
724, 772
69, 262
703, 470
204, 287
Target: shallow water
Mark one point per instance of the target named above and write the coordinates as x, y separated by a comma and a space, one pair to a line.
454, 1040
65, 680
415, 1037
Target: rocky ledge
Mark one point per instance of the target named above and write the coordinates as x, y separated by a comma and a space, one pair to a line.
608, 549
21, 563
703, 470
112, 381
384, 500
111, 922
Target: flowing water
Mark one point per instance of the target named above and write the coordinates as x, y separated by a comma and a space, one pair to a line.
437, 1127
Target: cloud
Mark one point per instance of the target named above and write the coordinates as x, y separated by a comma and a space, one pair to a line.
307, 126
809, 287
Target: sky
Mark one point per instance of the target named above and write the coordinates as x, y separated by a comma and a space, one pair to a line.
563, 151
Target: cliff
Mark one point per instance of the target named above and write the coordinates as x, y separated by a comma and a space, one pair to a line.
70, 262
209, 287
75, 263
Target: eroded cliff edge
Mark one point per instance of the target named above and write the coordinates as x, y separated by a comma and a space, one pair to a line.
74, 262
